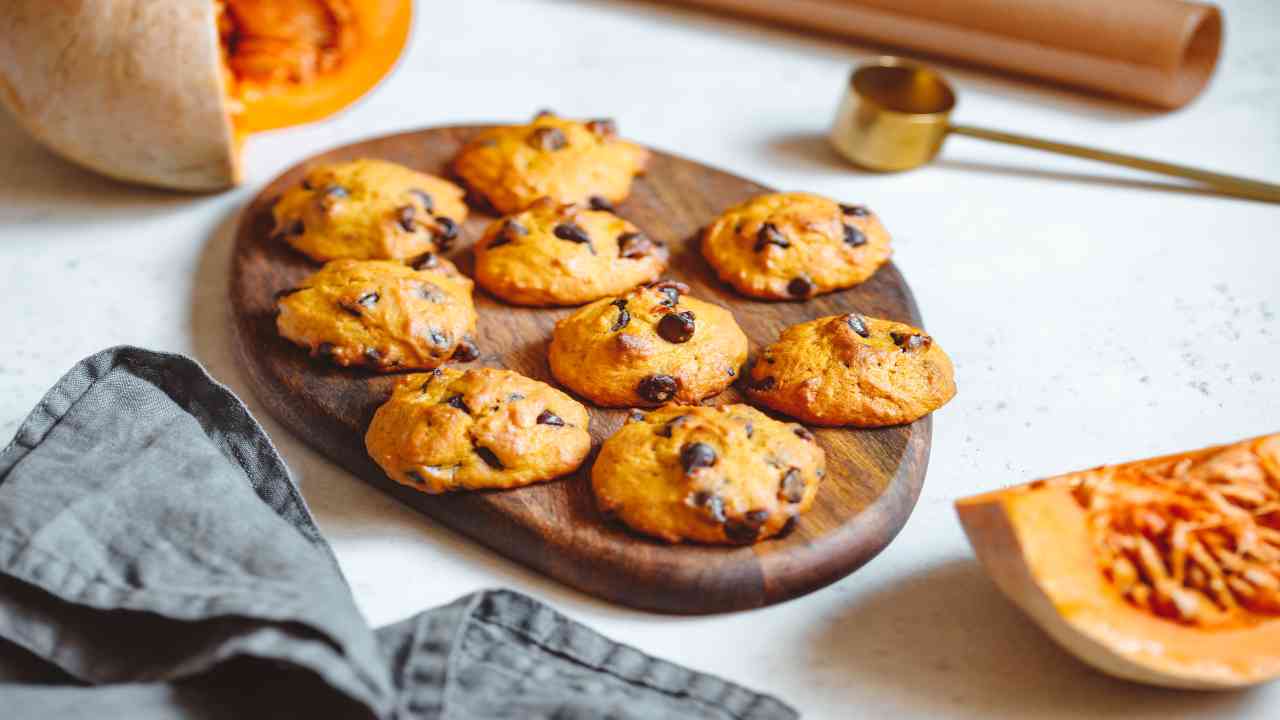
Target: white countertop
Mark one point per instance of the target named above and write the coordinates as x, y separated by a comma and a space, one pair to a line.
1094, 315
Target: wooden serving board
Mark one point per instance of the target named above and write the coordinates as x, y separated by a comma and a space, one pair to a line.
873, 478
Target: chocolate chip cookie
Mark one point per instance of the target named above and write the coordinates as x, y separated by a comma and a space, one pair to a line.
554, 254
477, 430
381, 315
566, 160
369, 210
726, 475
852, 370
791, 246
650, 346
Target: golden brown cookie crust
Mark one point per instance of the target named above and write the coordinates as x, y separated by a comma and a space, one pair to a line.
791, 246
476, 430
566, 160
553, 254
852, 370
369, 210
381, 315
726, 475
653, 345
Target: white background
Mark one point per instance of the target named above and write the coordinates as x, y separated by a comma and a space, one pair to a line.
1094, 315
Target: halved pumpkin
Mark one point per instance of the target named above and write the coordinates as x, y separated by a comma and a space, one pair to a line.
162, 93
1163, 571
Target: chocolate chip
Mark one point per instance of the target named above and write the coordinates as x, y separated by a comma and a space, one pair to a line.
635, 416
405, 215
605, 127
456, 401
439, 338
324, 350
350, 309
635, 244
800, 287
544, 112
369, 299
511, 230
750, 428
671, 290
770, 235
910, 341
425, 199
446, 228
429, 292
673, 423
731, 372
415, 476
764, 384
549, 418
547, 138
746, 529
712, 503
426, 261
514, 397
467, 350
803, 433
373, 355
596, 202
306, 184
658, 388
572, 232
855, 210
624, 317
280, 294
676, 327
697, 455
490, 459
853, 236
792, 487
337, 192
858, 324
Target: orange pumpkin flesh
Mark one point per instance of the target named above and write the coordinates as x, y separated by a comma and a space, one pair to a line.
163, 93
289, 62
1164, 571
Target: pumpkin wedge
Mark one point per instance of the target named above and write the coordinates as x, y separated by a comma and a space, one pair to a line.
163, 93
1164, 571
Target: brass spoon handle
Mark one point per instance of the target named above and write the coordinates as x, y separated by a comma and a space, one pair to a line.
1229, 184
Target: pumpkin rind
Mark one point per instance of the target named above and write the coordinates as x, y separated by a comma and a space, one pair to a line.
1035, 543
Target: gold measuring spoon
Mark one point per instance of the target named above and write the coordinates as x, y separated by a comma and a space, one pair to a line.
896, 114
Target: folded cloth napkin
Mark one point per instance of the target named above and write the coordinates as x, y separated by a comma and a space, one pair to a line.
157, 561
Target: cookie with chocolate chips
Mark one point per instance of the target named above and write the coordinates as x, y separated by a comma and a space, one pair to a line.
381, 315
650, 346
792, 246
852, 370
554, 254
369, 210
723, 475
477, 429
567, 160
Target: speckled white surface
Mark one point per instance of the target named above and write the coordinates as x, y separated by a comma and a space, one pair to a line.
1093, 314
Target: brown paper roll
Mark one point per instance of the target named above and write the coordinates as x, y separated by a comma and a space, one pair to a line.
1155, 51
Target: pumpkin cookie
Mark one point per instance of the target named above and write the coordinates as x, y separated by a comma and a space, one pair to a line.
566, 160
369, 210
381, 315
554, 254
650, 346
788, 246
479, 429
728, 474
852, 370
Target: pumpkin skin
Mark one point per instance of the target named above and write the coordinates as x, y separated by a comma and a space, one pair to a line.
136, 89
1037, 543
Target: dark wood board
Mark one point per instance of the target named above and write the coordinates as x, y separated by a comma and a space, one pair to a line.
873, 478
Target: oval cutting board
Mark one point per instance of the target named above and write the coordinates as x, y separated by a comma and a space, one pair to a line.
873, 478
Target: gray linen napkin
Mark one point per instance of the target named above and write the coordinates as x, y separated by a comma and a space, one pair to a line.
157, 561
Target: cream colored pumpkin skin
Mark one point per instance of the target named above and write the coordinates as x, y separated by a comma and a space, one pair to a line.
76, 75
